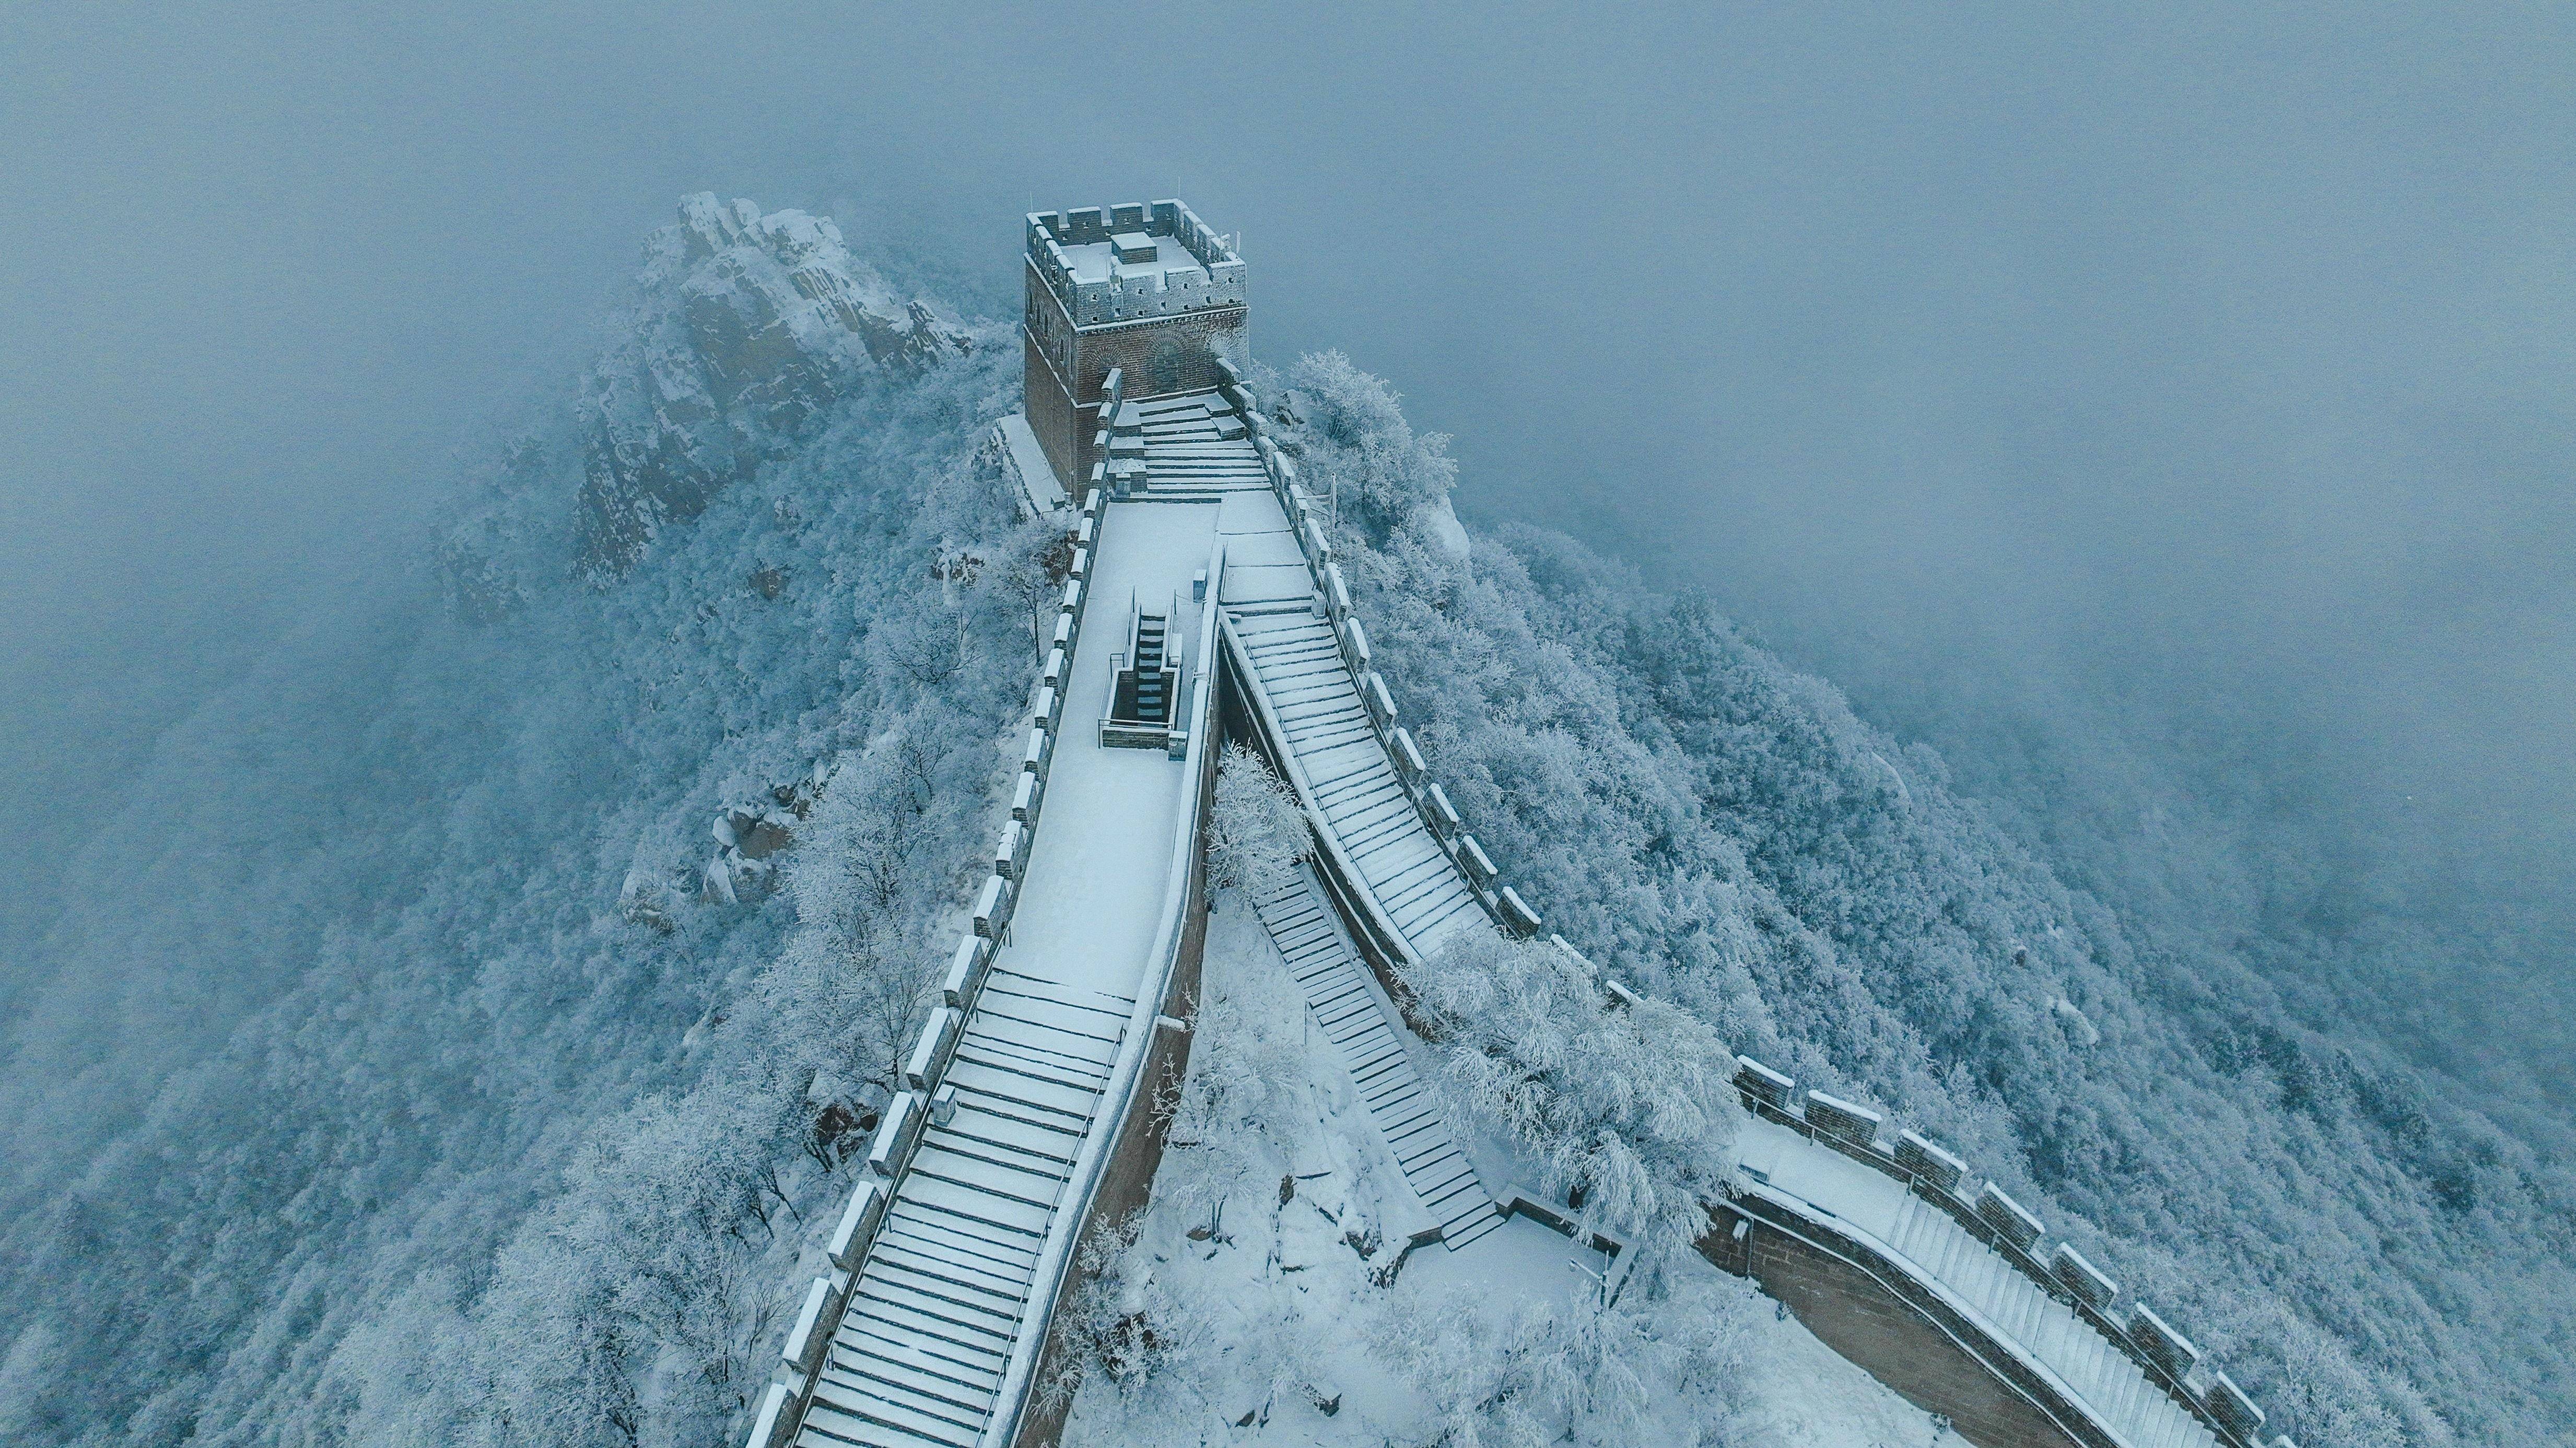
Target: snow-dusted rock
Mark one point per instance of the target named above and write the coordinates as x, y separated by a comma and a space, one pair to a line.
749, 326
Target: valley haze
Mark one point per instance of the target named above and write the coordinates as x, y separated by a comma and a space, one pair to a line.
2084, 483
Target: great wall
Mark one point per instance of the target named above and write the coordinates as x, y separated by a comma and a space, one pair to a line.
1028, 1124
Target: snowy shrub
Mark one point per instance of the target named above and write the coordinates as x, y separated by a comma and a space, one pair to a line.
1627, 1109
1384, 472
1160, 1352
1257, 830
1533, 1374
1214, 1147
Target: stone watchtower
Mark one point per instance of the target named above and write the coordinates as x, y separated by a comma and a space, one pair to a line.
1145, 289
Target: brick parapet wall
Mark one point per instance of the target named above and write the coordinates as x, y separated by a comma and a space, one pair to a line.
1217, 280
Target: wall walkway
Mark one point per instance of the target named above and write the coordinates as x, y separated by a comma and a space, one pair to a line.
1028, 1089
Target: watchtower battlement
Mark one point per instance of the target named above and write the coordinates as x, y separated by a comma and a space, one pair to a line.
1145, 289
1091, 260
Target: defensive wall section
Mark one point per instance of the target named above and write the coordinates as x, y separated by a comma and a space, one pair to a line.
1110, 1176
1956, 1299
1936, 1344
1123, 1182
1367, 919
1873, 1307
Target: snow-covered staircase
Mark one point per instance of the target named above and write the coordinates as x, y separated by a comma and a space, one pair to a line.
1196, 448
1153, 704
1338, 992
1354, 783
2082, 1358
922, 1347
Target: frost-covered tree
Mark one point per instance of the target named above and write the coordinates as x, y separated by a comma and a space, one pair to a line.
1383, 474
1031, 569
1257, 831
1627, 1108
1517, 1373
1723, 833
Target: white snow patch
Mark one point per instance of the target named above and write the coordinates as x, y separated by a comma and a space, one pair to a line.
1441, 522
1275, 1313
1039, 485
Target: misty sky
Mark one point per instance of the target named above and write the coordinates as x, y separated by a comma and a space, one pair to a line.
2202, 373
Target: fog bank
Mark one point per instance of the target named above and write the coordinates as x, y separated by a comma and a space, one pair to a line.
2164, 414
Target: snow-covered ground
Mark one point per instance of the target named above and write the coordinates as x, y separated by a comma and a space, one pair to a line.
1263, 1302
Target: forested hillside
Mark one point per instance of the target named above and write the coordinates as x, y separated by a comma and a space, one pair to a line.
438, 1043
2388, 1267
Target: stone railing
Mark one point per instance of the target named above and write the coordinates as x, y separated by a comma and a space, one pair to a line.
1501, 901
1217, 280
1990, 1216
925, 1099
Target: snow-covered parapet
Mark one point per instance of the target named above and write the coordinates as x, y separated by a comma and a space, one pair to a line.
2012, 1232
2082, 1278
1090, 257
1837, 1117
747, 328
1920, 1155
2165, 1347
2010, 1219
1503, 903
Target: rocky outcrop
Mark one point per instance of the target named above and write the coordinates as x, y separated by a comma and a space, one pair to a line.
748, 329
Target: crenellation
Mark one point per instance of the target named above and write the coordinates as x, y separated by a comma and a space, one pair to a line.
966, 968
2082, 1278
2229, 1405
811, 1336
896, 1135
1111, 291
930, 1053
848, 1245
2166, 1348
1763, 1083
2008, 1217
1920, 1155
1836, 1117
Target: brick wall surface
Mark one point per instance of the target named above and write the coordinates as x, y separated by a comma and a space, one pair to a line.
1061, 427
1167, 354
1066, 367
1849, 1311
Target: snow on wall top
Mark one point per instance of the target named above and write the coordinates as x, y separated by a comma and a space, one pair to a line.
1193, 269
